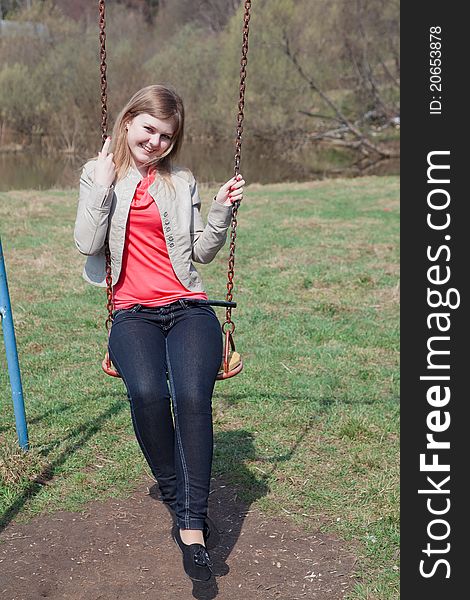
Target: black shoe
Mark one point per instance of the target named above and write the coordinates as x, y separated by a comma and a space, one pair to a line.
211, 534
196, 560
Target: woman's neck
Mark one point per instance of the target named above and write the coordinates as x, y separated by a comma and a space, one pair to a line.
143, 171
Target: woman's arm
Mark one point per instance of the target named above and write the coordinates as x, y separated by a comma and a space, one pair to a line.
96, 194
207, 241
94, 204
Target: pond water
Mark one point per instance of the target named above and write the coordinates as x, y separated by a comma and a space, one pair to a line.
211, 163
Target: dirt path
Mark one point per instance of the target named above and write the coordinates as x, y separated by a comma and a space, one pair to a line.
122, 549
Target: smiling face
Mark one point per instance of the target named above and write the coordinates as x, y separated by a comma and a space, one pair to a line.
148, 132
149, 138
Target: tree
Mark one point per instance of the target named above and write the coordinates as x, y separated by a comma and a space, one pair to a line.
324, 71
16, 82
212, 15
338, 61
7, 7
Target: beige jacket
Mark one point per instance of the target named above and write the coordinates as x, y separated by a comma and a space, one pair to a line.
103, 211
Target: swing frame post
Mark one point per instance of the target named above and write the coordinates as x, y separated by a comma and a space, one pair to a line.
6, 319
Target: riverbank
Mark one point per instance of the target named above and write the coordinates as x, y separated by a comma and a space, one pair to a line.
210, 162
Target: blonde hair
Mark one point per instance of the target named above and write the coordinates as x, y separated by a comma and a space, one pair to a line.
161, 102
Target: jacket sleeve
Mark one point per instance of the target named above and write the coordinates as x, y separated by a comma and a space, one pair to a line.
207, 241
94, 205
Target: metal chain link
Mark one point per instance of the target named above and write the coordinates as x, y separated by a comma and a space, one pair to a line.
238, 149
104, 84
104, 133
109, 288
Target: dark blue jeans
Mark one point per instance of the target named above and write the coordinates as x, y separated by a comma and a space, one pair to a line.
168, 358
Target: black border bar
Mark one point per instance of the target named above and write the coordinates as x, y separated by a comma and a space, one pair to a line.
435, 258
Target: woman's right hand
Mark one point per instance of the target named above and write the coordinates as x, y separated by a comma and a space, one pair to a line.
105, 169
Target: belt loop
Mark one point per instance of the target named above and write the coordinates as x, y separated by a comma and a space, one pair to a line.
136, 308
183, 303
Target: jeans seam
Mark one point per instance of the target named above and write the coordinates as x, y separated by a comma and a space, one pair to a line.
179, 441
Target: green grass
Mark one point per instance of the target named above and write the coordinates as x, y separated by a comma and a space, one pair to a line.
309, 430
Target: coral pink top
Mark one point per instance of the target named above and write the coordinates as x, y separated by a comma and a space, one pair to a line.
147, 276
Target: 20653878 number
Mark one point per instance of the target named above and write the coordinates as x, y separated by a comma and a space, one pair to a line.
435, 69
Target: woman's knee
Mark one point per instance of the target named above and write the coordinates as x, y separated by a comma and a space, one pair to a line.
192, 403
145, 395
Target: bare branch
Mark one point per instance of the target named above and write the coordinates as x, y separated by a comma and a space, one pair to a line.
389, 73
318, 115
364, 142
313, 86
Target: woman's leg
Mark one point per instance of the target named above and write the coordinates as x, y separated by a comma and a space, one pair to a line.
138, 350
194, 351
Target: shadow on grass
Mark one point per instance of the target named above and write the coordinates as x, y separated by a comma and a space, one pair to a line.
76, 439
315, 403
54, 410
234, 488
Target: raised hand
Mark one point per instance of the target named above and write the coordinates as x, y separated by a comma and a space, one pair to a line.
105, 169
231, 192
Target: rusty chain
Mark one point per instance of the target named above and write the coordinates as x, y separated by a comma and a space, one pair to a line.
229, 325
104, 84
104, 133
109, 288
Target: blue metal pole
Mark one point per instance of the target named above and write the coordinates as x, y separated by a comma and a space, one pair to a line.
6, 319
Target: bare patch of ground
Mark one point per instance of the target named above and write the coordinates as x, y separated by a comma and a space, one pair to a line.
123, 549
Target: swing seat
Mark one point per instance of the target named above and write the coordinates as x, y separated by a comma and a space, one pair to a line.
234, 366
107, 366
227, 370
231, 360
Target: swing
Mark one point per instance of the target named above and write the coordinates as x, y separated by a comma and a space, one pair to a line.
231, 363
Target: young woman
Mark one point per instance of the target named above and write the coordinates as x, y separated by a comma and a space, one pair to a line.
166, 345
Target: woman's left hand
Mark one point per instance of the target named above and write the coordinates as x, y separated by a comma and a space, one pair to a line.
231, 192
